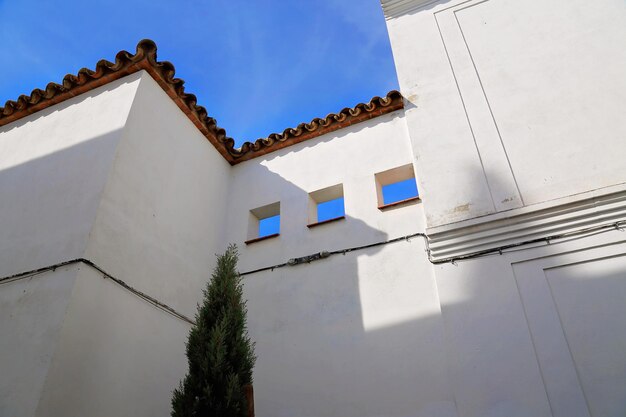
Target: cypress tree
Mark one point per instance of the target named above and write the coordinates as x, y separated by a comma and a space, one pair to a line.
219, 351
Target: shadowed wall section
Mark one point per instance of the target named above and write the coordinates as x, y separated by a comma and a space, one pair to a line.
358, 334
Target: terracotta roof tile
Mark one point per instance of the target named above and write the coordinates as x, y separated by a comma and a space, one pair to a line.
145, 58
377, 106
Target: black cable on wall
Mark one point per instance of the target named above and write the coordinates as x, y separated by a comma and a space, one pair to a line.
501, 250
158, 304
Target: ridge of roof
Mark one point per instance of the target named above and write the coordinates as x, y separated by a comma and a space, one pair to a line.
145, 58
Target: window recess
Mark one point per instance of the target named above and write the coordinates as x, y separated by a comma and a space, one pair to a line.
264, 223
326, 206
396, 187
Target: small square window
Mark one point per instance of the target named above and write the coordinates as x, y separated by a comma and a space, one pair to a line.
264, 223
326, 205
396, 186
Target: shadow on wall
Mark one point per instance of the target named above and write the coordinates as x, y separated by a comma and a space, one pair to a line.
64, 338
49, 196
53, 168
358, 334
376, 333
506, 354
48, 204
370, 333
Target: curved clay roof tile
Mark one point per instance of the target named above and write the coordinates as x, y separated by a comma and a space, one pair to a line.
145, 58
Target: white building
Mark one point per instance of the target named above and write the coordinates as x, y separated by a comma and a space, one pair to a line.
503, 296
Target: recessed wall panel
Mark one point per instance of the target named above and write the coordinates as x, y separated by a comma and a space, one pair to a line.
553, 75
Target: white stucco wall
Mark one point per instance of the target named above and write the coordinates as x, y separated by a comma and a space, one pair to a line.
511, 103
353, 335
513, 122
53, 169
121, 177
538, 331
514, 112
116, 356
160, 221
157, 229
31, 317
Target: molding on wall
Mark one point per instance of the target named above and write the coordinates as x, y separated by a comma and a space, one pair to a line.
562, 216
482, 124
396, 8
559, 369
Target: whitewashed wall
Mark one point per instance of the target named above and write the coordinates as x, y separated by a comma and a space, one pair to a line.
54, 166
31, 319
513, 119
53, 170
511, 103
116, 354
538, 331
156, 229
514, 113
353, 335
160, 221
121, 177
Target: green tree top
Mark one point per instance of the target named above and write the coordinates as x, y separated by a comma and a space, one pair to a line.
219, 351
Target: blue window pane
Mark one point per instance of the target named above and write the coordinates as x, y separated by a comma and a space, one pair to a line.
269, 226
399, 191
330, 210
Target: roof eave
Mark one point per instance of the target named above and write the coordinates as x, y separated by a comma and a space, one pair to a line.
145, 58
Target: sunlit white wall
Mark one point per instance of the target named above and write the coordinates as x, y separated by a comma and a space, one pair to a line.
514, 111
353, 335
511, 103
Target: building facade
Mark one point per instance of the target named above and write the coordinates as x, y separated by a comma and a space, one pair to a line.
498, 292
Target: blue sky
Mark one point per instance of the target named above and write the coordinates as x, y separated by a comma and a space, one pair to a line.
257, 66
